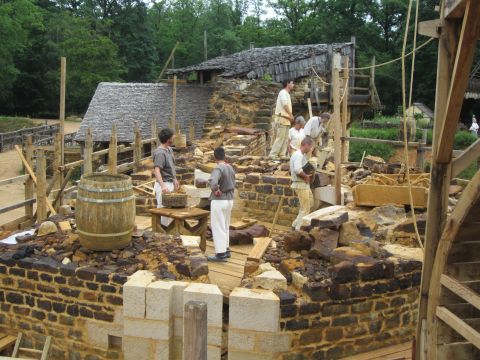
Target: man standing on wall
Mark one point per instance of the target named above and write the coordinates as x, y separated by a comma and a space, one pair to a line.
222, 184
164, 169
283, 119
316, 129
301, 180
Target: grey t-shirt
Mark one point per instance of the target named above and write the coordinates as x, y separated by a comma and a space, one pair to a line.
223, 179
163, 159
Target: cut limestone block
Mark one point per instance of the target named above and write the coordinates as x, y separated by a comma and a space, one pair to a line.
329, 217
298, 280
147, 329
135, 348
209, 294
134, 294
270, 280
190, 241
254, 309
159, 300
97, 332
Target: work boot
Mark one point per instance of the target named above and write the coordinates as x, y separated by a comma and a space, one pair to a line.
229, 255
221, 257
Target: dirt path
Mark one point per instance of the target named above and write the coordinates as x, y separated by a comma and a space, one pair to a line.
11, 166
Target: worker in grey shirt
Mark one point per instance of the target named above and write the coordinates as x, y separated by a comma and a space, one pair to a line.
164, 169
222, 184
301, 181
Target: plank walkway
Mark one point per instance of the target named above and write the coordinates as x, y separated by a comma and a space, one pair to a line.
396, 352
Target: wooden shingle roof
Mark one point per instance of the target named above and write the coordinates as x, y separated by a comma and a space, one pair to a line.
124, 103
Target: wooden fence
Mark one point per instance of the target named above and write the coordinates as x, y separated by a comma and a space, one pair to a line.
39, 134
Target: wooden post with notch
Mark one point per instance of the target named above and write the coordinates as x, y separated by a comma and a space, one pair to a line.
63, 80
345, 112
112, 151
87, 165
29, 188
195, 331
57, 162
338, 126
41, 185
137, 149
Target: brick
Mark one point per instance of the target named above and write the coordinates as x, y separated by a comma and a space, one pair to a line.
210, 294
114, 300
72, 310
68, 269
38, 315
257, 310
134, 294
252, 178
47, 264
74, 281
296, 324
397, 302
147, 329
32, 275
85, 312
15, 298
344, 320
310, 337
159, 296
69, 292
30, 300
343, 272
86, 273
333, 334
359, 291
60, 280
264, 189
21, 310
17, 272
46, 288
317, 291
334, 309
119, 278
25, 284
339, 292
92, 286
102, 276
46, 277
103, 316
362, 307
3, 269
59, 307
309, 308
286, 298
109, 288
287, 311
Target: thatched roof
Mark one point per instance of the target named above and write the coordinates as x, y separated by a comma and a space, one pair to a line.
280, 62
124, 103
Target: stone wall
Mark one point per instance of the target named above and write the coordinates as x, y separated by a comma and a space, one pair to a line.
262, 195
246, 103
74, 306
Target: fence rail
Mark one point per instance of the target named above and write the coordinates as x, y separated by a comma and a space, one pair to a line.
40, 135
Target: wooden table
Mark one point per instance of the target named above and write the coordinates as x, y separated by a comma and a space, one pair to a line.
180, 225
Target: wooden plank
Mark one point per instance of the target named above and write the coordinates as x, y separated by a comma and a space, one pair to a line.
468, 156
447, 335
259, 249
454, 9
41, 186
15, 179
382, 353
29, 187
16, 205
195, 330
461, 290
465, 270
7, 341
242, 224
454, 351
336, 117
112, 151
458, 325
430, 28
379, 195
460, 75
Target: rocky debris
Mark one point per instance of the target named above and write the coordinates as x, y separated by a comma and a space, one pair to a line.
348, 232
46, 228
349, 254
298, 280
270, 280
245, 236
297, 241
325, 241
287, 267
329, 217
404, 252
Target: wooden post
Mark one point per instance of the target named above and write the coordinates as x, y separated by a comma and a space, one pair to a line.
63, 79
338, 127
191, 134
87, 165
41, 186
195, 331
57, 162
137, 149
421, 151
29, 189
174, 104
345, 112
205, 49
154, 143
112, 151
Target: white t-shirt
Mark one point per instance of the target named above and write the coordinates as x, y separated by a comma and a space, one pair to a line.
282, 100
314, 128
295, 136
297, 162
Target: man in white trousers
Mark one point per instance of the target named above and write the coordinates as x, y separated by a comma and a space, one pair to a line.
164, 169
222, 184
282, 120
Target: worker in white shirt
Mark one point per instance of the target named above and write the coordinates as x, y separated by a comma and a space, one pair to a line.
316, 129
282, 119
296, 134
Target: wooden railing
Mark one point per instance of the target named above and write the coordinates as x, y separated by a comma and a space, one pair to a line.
39, 133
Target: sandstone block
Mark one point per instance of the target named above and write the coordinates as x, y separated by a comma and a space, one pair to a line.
343, 272
214, 336
297, 241
241, 340
147, 329
210, 294
134, 294
97, 332
326, 241
332, 216
214, 352
251, 266
298, 280
161, 350
136, 348
190, 241
243, 355
159, 300
273, 342
348, 231
254, 309
270, 280
346, 253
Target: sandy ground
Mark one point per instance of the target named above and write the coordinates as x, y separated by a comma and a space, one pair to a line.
11, 166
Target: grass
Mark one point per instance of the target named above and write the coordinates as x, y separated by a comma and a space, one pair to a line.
9, 123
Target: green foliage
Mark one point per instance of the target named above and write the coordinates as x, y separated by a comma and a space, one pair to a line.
8, 123
356, 150
267, 77
463, 139
385, 134
469, 172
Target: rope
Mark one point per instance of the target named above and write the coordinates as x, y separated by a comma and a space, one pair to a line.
318, 76
346, 89
404, 108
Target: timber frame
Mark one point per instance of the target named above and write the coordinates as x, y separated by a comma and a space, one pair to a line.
449, 311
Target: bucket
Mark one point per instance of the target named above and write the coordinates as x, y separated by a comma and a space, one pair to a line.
180, 140
105, 211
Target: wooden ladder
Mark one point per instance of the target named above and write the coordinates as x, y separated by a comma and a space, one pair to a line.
32, 353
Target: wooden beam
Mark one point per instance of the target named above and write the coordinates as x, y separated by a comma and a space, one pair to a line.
29, 184
430, 28
461, 290
345, 110
459, 81
195, 331
470, 154
87, 156
15, 179
112, 151
338, 127
41, 186
170, 57
17, 205
137, 149
459, 325
455, 9
63, 81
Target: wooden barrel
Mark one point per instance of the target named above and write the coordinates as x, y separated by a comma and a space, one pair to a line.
180, 140
105, 211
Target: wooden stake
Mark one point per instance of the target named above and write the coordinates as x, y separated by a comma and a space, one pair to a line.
87, 165
29, 188
345, 113
41, 186
338, 126
137, 149
57, 162
195, 331
63, 80
174, 104
170, 57
192, 132
154, 144
112, 151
